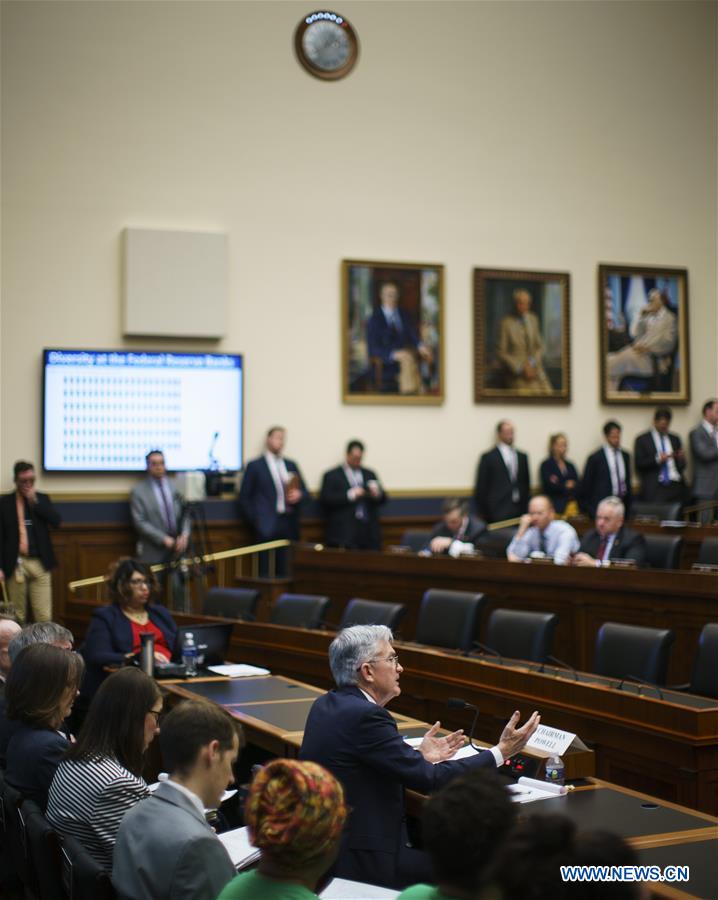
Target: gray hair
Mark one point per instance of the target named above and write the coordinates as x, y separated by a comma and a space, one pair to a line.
352, 647
614, 503
39, 633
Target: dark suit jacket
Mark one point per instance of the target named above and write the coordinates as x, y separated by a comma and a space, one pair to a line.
109, 639
493, 490
342, 525
644, 454
596, 482
258, 502
359, 743
553, 483
43, 515
474, 529
33, 754
628, 545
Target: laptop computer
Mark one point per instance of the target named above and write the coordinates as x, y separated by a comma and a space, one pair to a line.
212, 643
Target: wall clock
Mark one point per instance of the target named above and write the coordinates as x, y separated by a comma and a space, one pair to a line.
326, 45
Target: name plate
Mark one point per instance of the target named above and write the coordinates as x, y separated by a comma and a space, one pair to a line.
553, 741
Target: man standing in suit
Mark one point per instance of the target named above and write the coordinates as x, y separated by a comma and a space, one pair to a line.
458, 531
502, 479
166, 849
607, 472
162, 530
392, 340
349, 732
660, 460
26, 554
351, 496
610, 539
704, 449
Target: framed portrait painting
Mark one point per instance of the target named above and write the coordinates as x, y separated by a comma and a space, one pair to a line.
521, 336
643, 327
392, 332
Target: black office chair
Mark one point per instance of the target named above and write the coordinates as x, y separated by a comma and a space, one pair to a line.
415, 540
520, 634
708, 552
625, 650
44, 847
655, 512
449, 619
300, 610
493, 544
663, 551
704, 677
232, 603
372, 612
15, 840
83, 878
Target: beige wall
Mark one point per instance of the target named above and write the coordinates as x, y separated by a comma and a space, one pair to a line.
530, 135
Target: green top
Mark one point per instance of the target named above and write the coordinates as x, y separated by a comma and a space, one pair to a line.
253, 886
423, 892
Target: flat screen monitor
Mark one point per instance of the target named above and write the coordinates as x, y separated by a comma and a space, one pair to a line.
212, 642
103, 410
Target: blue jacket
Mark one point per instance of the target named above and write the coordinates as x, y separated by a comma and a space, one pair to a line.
358, 742
109, 640
33, 754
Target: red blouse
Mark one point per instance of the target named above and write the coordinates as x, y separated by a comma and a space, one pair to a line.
151, 628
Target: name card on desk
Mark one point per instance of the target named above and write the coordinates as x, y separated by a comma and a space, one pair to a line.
553, 741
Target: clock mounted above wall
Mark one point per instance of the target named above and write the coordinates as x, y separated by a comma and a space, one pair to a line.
326, 45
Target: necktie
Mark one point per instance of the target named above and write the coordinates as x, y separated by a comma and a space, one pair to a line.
169, 512
542, 541
664, 477
619, 477
357, 481
602, 544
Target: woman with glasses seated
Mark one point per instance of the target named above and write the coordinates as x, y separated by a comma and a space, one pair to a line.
114, 632
39, 693
100, 777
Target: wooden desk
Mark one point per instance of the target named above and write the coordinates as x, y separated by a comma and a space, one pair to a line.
583, 598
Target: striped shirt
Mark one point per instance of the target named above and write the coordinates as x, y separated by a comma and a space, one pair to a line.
88, 799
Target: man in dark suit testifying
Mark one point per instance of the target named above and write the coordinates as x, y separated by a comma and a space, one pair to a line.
610, 539
502, 479
349, 732
351, 496
660, 461
607, 472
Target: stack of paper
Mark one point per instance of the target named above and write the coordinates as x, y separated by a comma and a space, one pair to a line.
526, 790
241, 852
238, 670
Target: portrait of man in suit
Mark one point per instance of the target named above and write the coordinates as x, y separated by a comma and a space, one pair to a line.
392, 337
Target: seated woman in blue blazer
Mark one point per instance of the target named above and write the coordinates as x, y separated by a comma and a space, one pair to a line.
114, 632
40, 690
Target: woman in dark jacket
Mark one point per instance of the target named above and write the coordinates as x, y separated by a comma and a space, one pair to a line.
114, 632
559, 478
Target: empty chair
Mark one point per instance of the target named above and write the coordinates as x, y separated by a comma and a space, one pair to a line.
449, 619
521, 634
658, 512
704, 677
708, 552
83, 878
232, 603
372, 612
493, 544
44, 850
300, 610
15, 843
626, 650
663, 551
415, 540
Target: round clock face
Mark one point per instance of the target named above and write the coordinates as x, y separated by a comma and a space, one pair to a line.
326, 45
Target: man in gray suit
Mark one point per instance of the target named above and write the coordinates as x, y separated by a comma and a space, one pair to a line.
162, 531
704, 448
165, 847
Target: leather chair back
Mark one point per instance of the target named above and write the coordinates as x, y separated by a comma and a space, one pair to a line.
708, 552
449, 619
663, 551
625, 650
415, 540
83, 878
657, 512
44, 848
704, 678
300, 610
232, 603
372, 612
520, 634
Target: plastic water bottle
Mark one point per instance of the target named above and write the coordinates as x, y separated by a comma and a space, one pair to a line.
189, 654
555, 770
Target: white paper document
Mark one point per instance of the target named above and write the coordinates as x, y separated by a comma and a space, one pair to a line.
526, 790
342, 889
461, 753
236, 843
238, 670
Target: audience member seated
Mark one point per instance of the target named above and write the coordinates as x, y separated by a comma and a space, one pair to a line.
349, 732
9, 628
295, 812
463, 825
528, 865
100, 777
458, 531
39, 633
41, 688
165, 848
113, 635
541, 533
610, 539
559, 477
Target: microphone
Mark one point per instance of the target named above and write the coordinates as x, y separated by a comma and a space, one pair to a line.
640, 682
459, 703
212, 460
487, 651
560, 662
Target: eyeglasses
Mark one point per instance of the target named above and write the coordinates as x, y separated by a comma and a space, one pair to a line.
139, 582
157, 715
29, 480
394, 659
